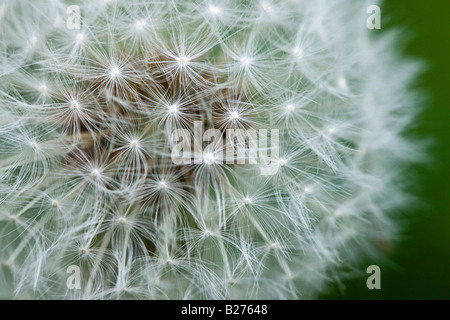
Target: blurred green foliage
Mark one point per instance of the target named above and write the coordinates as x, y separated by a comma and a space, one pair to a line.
421, 260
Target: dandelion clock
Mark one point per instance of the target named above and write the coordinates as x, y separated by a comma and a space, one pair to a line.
197, 150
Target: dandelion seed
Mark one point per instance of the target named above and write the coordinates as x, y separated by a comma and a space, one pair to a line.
267, 7
57, 22
134, 144
214, 10
297, 52
173, 109
162, 185
245, 61
234, 115
115, 72
307, 190
290, 108
74, 105
43, 89
208, 158
33, 145
140, 24
342, 83
80, 37
95, 173
331, 130
33, 41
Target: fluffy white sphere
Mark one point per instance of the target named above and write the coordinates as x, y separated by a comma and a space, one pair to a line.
91, 98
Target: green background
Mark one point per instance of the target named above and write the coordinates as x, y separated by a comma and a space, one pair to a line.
422, 258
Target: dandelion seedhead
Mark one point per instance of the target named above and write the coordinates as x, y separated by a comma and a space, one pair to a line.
293, 114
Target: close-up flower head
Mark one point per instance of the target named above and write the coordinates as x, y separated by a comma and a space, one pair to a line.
203, 149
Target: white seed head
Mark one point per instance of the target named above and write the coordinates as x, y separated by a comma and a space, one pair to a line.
91, 114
